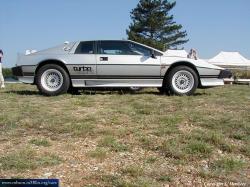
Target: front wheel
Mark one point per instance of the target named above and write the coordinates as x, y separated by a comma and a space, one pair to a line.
52, 80
182, 80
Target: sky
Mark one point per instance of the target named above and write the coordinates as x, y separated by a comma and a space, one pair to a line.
212, 25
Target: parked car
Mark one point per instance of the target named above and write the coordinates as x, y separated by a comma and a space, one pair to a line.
114, 63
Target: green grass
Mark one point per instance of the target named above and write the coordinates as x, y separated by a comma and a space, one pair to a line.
164, 178
151, 159
140, 183
172, 148
118, 182
147, 142
198, 148
182, 148
168, 125
27, 159
112, 144
40, 142
133, 171
227, 164
213, 138
98, 153
48, 160
137, 139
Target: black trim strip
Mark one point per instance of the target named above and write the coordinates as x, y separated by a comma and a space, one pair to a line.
113, 64
28, 74
113, 77
27, 65
209, 76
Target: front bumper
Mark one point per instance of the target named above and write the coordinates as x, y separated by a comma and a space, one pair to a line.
224, 74
211, 82
217, 80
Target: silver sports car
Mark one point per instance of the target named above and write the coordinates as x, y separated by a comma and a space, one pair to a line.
114, 63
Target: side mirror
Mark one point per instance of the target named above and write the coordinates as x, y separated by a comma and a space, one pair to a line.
153, 56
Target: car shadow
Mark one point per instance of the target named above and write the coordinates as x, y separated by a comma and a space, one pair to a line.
200, 94
23, 92
88, 92
94, 92
127, 92
100, 92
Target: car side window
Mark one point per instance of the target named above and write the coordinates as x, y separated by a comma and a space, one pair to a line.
157, 53
114, 48
85, 48
140, 50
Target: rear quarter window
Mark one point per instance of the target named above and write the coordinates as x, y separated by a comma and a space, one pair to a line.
85, 48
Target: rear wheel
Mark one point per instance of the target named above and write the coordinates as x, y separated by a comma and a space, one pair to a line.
52, 80
182, 80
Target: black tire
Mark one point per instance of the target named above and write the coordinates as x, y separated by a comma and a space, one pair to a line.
42, 85
187, 78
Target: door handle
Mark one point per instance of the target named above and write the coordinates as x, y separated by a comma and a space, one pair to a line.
104, 58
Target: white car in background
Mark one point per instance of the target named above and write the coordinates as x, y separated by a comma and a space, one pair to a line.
114, 63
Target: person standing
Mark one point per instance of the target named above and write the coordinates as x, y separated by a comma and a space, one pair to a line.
193, 54
1, 72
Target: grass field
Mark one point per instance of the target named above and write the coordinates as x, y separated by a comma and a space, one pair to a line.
112, 138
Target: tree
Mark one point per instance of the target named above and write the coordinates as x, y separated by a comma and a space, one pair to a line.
152, 25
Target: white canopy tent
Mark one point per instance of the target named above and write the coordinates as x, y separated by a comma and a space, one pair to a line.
229, 59
176, 53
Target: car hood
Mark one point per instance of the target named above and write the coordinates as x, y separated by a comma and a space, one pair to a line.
198, 63
205, 64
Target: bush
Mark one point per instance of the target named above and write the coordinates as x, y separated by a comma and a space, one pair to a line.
241, 74
7, 72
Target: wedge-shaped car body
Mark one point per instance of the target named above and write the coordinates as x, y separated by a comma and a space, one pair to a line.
114, 63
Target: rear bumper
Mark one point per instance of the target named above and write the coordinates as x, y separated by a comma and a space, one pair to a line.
17, 71
23, 76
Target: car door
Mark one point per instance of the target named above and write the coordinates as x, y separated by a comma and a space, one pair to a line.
83, 62
125, 63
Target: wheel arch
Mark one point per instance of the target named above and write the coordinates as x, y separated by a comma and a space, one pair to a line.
181, 63
51, 61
